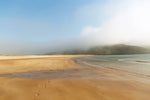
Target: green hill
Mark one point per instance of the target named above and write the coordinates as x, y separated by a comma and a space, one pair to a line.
119, 49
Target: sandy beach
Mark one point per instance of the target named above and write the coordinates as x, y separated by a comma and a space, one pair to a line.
67, 78
20, 64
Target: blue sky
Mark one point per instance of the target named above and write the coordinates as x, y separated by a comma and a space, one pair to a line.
39, 26
42, 20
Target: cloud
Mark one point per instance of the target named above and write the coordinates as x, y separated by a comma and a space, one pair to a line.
127, 23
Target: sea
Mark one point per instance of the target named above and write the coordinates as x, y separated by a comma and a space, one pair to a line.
139, 63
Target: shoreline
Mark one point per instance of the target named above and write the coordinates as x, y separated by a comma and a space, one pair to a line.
23, 64
85, 82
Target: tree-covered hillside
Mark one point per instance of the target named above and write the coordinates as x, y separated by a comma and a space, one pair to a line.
118, 49
108, 50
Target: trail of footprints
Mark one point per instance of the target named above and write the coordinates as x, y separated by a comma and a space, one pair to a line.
37, 90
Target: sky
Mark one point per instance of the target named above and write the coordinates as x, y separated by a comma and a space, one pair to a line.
41, 26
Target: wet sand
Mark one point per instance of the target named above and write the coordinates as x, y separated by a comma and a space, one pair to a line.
89, 82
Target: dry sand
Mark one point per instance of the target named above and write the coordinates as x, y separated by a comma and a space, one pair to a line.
19, 64
86, 82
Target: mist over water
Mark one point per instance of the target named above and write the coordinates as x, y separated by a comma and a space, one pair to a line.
128, 23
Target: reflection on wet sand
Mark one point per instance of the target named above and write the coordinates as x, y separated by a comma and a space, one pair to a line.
89, 81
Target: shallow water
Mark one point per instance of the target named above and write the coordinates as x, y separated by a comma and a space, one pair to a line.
132, 63
90, 67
